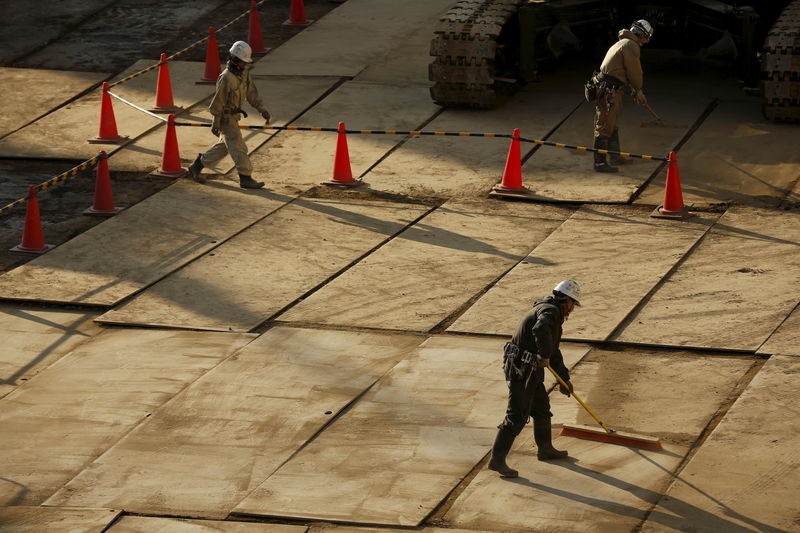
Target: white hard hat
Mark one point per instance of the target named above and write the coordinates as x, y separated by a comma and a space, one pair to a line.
643, 28
569, 288
242, 50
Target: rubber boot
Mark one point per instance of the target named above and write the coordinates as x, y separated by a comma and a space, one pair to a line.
544, 443
195, 169
246, 182
613, 144
600, 163
502, 445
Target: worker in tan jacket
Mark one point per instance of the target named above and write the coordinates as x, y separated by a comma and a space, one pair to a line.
621, 68
234, 88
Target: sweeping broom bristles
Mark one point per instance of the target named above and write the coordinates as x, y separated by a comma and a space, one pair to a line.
613, 437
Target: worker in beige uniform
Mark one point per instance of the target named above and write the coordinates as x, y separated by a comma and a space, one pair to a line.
234, 87
621, 68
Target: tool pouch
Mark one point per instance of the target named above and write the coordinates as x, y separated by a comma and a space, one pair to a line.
590, 88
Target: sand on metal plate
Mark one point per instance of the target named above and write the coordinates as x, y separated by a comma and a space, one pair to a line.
786, 339
40, 519
140, 245
295, 160
63, 133
403, 447
267, 267
205, 450
616, 253
284, 97
432, 268
736, 156
54, 425
34, 338
470, 166
29, 94
151, 524
605, 487
724, 295
746, 475
338, 45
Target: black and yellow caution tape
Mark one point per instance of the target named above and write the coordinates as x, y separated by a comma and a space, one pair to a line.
438, 134
176, 54
58, 179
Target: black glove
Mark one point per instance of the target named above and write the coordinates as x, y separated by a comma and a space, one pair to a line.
215, 131
566, 391
266, 116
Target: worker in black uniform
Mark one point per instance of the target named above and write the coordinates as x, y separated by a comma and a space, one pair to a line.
534, 347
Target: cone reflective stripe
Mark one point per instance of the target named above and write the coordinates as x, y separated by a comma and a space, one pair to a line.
673, 206
107, 133
297, 15
342, 173
254, 37
213, 66
103, 198
171, 158
511, 183
164, 103
32, 238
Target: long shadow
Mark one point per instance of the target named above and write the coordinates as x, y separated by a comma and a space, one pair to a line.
69, 331
683, 513
22, 493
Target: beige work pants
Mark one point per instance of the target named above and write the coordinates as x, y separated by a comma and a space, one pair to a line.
606, 114
230, 142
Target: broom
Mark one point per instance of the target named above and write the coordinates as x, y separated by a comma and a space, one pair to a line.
659, 122
607, 434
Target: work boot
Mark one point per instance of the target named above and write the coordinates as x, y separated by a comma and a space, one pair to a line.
195, 169
600, 163
544, 443
613, 145
246, 182
502, 445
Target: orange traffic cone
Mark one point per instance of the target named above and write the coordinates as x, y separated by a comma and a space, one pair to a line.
673, 196
254, 38
342, 174
103, 197
108, 124
164, 103
511, 184
213, 66
297, 15
171, 158
32, 239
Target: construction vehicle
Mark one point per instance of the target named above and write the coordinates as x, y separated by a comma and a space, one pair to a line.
484, 50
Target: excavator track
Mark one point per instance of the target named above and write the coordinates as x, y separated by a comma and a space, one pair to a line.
780, 67
465, 46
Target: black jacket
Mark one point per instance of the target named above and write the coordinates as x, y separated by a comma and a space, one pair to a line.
539, 332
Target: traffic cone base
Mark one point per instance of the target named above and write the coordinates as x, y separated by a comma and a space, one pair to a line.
289, 22
344, 184
673, 206
120, 139
32, 238
167, 110
520, 194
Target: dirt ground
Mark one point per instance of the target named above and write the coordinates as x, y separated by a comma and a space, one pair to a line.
86, 37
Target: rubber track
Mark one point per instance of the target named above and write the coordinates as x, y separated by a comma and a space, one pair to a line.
780, 67
464, 49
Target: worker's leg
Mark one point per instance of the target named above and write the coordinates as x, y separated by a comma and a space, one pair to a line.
542, 430
605, 123
517, 414
238, 150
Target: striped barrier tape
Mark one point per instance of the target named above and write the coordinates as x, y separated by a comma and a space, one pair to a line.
176, 54
439, 134
58, 179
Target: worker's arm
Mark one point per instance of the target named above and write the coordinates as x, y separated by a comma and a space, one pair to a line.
217, 105
633, 67
558, 366
544, 331
254, 99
